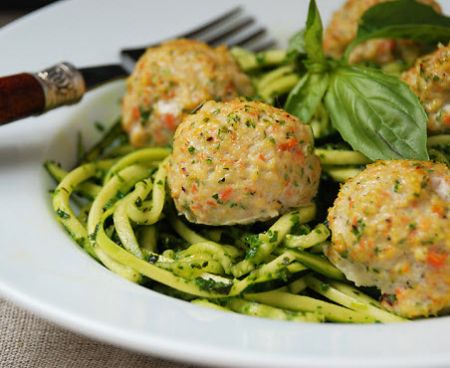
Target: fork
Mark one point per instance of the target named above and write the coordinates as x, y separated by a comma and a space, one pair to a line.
27, 94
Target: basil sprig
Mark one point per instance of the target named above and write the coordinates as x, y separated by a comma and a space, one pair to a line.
377, 114
307, 95
402, 19
296, 45
313, 35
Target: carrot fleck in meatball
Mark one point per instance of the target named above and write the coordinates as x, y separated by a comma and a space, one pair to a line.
343, 27
429, 79
239, 162
172, 79
390, 228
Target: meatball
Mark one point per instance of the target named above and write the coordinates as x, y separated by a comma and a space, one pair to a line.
172, 79
429, 79
344, 25
239, 162
390, 228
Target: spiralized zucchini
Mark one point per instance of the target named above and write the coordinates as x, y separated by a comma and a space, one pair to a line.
119, 212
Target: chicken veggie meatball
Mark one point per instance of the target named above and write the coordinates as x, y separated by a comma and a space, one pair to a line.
344, 25
429, 79
240, 162
172, 79
390, 228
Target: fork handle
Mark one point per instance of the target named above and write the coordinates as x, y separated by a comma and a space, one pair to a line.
26, 94
21, 95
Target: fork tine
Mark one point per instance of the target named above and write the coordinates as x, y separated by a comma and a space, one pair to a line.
271, 43
226, 29
212, 24
224, 34
129, 56
255, 35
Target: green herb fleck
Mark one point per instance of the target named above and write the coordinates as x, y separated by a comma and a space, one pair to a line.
153, 258
119, 195
80, 147
62, 214
145, 114
99, 126
297, 228
138, 202
273, 236
358, 228
217, 198
212, 285
250, 124
397, 186
324, 286
391, 299
253, 242
233, 118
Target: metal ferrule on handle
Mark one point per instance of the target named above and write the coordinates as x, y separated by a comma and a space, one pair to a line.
62, 84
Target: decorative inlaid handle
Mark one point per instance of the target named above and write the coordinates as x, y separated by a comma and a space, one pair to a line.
26, 94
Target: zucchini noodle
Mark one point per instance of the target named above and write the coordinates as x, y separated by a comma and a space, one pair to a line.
137, 157
269, 240
249, 61
318, 235
437, 140
129, 224
111, 136
260, 310
341, 174
330, 312
277, 82
341, 165
65, 215
341, 157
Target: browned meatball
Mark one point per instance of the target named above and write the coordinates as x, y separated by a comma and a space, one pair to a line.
429, 79
390, 228
241, 161
344, 25
172, 79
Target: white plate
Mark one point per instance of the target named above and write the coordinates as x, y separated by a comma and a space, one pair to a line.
44, 271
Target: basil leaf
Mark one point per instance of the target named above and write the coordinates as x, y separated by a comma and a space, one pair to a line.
404, 19
313, 35
377, 114
306, 96
296, 45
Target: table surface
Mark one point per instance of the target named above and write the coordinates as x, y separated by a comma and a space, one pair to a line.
27, 341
